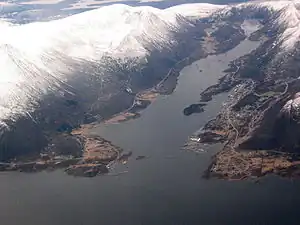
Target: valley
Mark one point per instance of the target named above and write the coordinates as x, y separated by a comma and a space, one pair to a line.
63, 120
246, 124
136, 115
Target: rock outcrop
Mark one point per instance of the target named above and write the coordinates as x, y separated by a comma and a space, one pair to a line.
287, 127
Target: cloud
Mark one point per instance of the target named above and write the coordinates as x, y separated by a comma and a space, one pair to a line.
85, 4
41, 2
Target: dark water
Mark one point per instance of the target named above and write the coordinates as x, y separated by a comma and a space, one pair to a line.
166, 187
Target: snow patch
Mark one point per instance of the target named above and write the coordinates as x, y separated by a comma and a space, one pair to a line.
196, 10
36, 58
285, 16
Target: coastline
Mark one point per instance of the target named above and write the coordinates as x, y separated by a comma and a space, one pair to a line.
93, 155
253, 125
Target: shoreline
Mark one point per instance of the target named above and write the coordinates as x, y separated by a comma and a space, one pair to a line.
97, 154
246, 154
100, 162
146, 97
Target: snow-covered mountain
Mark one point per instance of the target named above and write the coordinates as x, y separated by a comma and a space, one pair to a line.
70, 55
283, 15
34, 57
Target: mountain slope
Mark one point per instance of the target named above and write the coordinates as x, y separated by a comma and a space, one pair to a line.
260, 121
281, 15
59, 74
36, 57
117, 31
56, 75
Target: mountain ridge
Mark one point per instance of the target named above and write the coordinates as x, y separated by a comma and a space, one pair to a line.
96, 61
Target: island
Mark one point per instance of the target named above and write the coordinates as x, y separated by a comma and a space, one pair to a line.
194, 108
56, 134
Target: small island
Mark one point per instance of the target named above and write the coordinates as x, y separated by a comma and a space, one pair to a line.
194, 108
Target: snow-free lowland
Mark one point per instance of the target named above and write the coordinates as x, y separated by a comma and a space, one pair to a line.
36, 58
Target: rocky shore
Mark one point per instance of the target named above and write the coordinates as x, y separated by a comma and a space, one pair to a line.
97, 154
260, 121
194, 108
209, 44
230, 164
59, 129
